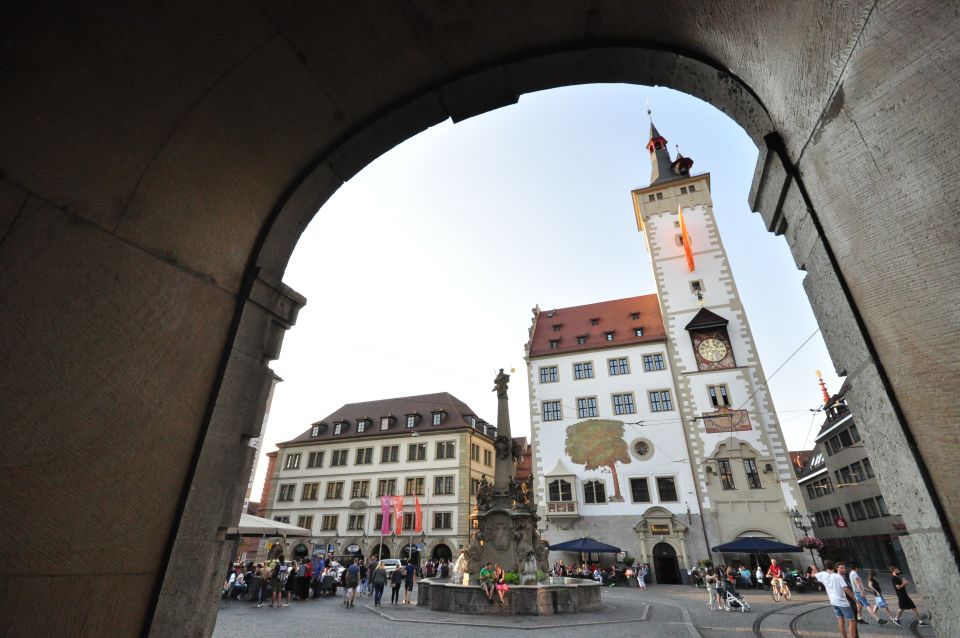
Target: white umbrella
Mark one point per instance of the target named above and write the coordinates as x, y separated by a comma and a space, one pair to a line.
251, 525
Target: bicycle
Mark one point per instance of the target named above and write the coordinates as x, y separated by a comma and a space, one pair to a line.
779, 589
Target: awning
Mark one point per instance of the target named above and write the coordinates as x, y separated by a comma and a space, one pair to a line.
251, 525
585, 546
756, 545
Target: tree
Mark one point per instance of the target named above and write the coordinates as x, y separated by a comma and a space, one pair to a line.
598, 444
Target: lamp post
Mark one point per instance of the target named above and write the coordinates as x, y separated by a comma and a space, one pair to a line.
799, 523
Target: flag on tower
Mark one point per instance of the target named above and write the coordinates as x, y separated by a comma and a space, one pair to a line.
398, 508
385, 515
418, 517
685, 238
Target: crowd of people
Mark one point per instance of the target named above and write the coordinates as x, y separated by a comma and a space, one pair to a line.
611, 575
279, 581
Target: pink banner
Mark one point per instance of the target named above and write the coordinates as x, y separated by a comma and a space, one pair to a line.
385, 511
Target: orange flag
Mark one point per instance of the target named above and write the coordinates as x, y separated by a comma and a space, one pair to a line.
398, 508
418, 517
685, 237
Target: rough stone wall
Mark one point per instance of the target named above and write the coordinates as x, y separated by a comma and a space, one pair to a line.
153, 160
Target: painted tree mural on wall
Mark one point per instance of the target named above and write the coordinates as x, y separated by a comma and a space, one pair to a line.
598, 444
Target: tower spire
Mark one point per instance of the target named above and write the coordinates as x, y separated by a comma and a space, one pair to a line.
662, 167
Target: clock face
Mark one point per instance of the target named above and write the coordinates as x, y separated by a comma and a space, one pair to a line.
712, 350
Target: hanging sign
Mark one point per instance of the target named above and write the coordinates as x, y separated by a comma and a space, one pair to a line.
353, 549
840, 522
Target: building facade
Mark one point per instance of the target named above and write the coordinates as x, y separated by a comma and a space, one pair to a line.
677, 383
847, 510
430, 448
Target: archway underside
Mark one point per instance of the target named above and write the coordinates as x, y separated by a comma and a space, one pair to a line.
146, 220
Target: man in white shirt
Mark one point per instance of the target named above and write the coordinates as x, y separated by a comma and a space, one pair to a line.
837, 591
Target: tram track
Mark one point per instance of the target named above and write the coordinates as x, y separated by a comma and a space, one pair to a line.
760, 618
795, 621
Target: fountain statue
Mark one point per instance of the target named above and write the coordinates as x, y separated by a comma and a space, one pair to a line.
506, 531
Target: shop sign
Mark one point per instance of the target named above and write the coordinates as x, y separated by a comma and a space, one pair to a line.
840, 522
659, 530
353, 549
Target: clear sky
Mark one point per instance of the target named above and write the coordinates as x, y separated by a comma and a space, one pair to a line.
420, 273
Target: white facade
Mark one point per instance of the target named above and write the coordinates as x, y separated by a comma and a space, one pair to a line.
661, 430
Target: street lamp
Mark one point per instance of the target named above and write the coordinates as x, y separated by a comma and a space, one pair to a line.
800, 523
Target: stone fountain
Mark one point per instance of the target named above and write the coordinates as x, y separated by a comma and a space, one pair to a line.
506, 534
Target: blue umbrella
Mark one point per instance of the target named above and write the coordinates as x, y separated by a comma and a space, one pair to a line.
585, 546
755, 545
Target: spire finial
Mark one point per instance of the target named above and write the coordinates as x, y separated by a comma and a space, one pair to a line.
823, 388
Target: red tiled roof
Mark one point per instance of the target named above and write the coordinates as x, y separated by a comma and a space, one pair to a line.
612, 316
455, 416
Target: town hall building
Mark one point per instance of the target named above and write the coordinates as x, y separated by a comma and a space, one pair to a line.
652, 426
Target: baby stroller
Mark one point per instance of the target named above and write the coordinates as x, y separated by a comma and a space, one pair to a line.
735, 602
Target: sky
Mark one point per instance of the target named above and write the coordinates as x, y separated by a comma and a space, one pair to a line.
420, 273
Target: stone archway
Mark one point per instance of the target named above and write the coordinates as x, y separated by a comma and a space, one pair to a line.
666, 567
441, 551
147, 218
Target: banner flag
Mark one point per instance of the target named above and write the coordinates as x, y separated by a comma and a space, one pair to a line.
398, 508
418, 518
685, 238
385, 515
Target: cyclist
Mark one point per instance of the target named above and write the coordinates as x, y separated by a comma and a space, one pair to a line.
775, 574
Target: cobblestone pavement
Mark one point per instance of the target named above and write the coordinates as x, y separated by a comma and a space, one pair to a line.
658, 612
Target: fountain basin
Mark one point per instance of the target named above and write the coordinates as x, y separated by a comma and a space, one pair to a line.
570, 596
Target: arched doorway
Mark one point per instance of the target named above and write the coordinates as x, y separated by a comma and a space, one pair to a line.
380, 551
458, 78
665, 564
441, 551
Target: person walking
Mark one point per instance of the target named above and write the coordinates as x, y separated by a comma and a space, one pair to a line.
289, 579
408, 581
860, 593
759, 576
837, 591
642, 576
904, 601
378, 579
396, 579
371, 566
873, 587
351, 582
276, 594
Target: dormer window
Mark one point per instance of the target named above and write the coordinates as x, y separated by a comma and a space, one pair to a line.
315, 430
638, 332
411, 420
634, 315
472, 420
608, 336
361, 425
554, 344
437, 417
338, 427
595, 322
557, 327
385, 422
582, 339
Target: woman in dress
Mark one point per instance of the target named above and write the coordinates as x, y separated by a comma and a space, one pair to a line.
499, 583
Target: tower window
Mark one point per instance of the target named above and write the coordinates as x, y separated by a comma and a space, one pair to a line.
683, 190
659, 195
692, 188
719, 395
651, 197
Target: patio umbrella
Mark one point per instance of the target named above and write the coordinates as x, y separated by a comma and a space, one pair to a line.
756, 545
251, 525
585, 546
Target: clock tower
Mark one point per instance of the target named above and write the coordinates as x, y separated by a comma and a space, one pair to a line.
744, 482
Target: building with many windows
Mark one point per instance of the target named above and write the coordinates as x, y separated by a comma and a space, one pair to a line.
652, 426
847, 510
430, 448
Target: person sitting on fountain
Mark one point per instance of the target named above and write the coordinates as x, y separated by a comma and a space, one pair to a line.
501, 583
486, 581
